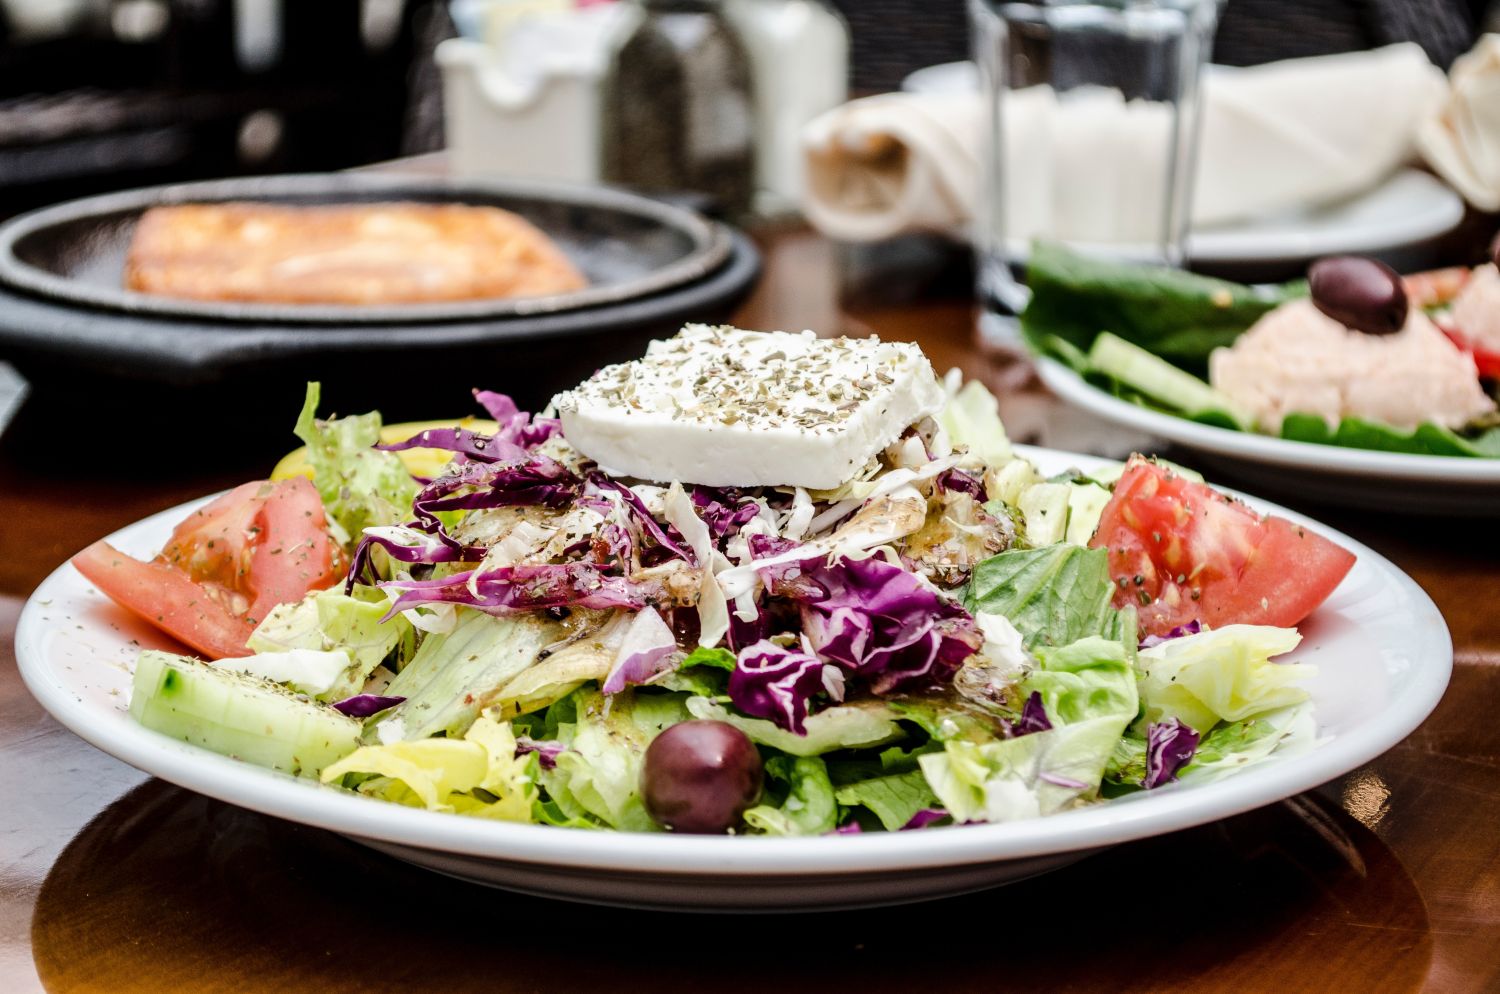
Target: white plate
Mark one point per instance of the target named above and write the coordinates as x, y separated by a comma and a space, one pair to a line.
1382, 481
1409, 207
1382, 649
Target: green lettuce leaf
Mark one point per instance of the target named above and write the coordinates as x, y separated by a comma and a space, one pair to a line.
1233, 747
1091, 678
1426, 439
893, 798
1025, 777
598, 775
326, 620
972, 419
360, 486
845, 726
808, 807
1225, 674
1054, 595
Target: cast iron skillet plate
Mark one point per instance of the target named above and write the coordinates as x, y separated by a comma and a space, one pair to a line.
626, 245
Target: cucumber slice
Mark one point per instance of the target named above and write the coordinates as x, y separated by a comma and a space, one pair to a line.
1160, 380
238, 715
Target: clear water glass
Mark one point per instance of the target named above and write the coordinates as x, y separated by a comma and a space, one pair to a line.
1092, 113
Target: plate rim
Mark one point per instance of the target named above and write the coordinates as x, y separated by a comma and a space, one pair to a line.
1224, 442
685, 857
711, 248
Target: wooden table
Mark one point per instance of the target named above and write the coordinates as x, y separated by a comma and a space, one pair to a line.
1386, 880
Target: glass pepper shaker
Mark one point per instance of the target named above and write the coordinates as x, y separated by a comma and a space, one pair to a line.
678, 113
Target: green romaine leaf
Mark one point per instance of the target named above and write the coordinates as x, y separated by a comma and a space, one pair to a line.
1176, 315
360, 486
1054, 595
893, 798
809, 807
1225, 674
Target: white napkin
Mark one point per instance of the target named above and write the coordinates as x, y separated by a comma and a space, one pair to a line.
1462, 141
1284, 135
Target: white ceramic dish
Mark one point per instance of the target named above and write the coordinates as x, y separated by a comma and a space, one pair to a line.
1383, 653
1381, 481
1408, 208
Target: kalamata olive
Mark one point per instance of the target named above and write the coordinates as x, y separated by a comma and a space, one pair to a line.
1495, 251
1359, 293
700, 776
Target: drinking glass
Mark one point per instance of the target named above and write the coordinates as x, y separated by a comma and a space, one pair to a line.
1092, 125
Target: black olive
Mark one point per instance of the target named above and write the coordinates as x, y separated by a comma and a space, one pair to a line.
1359, 293
700, 776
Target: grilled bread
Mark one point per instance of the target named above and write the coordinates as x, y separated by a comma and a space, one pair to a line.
354, 254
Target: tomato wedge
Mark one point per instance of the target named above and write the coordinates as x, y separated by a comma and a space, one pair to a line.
1486, 361
1179, 551
225, 566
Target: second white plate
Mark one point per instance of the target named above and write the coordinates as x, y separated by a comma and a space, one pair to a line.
1363, 478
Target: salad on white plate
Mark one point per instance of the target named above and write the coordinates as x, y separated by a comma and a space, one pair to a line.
752, 583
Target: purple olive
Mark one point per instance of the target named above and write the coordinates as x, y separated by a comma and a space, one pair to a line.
700, 776
1495, 251
1359, 293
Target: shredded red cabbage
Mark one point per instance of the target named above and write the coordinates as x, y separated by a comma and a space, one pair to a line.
648, 649
642, 517
850, 829
725, 510
516, 425
771, 682
424, 549
924, 818
1191, 628
470, 444
525, 587
956, 480
364, 705
1170, 745
879, 622
546, 750
1033, 717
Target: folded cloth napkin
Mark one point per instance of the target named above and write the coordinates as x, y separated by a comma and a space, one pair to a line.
1462, 140
1087, 164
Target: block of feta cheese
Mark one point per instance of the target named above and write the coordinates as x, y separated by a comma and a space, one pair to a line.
730, 408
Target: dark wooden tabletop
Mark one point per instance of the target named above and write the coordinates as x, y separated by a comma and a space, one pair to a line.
1385, 880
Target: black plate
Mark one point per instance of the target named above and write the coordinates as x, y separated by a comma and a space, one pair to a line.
628, 246
116, 377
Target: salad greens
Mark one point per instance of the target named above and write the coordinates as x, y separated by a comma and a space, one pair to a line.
1144, 335
515, 634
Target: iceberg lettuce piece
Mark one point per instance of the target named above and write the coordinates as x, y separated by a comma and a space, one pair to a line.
479, 774
1225, 674
809, 808
1231, 748
972, 419
456, 675
846, 726
330, 620
598, 775
1025, 777
361, 486
1090, 678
